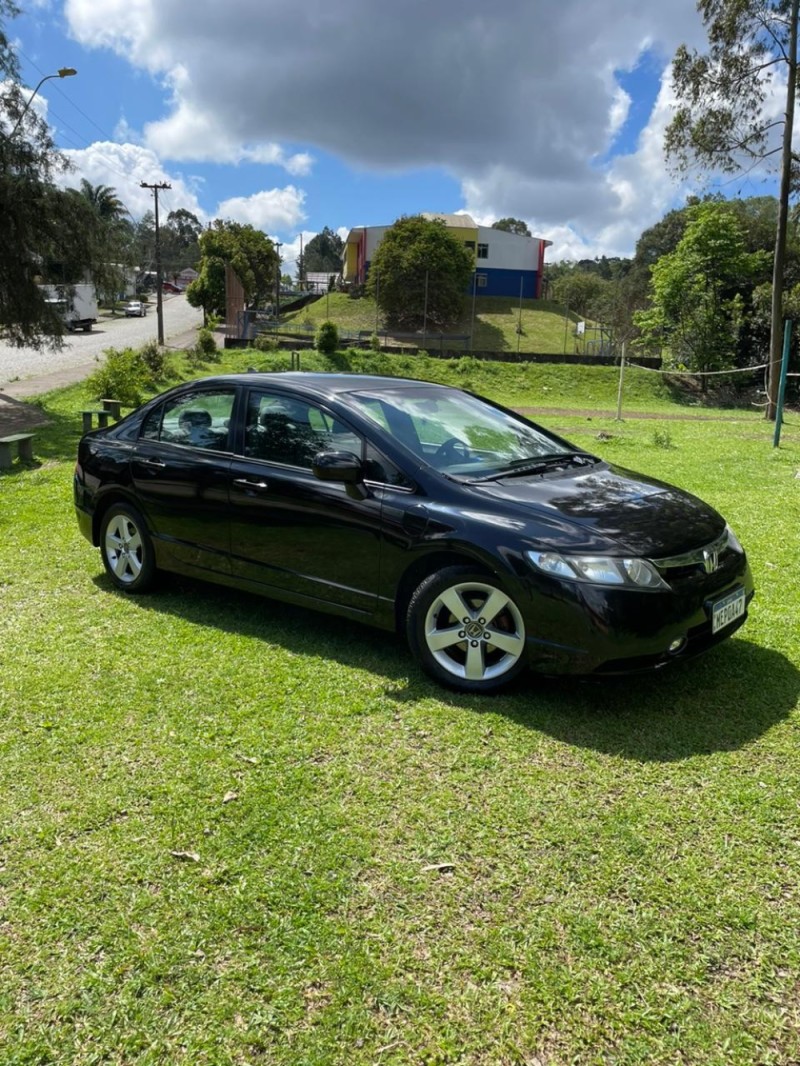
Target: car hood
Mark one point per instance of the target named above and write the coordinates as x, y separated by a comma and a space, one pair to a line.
607, 509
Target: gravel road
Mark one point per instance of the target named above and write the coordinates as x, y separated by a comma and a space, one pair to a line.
81, 349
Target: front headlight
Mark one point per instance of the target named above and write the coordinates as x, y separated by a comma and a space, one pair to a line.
733, 540
598, 569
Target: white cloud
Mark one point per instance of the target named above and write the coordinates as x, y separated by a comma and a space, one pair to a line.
618, 113
124, 167
274, 210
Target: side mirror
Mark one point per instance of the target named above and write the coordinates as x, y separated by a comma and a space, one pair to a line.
343, 467
337, 466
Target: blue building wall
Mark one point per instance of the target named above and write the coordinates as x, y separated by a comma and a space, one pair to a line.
500, 282
506, 283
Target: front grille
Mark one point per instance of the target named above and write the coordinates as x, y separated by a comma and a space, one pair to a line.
690, 569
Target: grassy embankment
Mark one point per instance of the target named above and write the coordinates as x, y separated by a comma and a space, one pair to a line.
544, 327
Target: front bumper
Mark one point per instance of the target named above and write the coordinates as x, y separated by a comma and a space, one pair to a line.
594, 630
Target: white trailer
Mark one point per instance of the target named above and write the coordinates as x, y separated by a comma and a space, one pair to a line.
77, 304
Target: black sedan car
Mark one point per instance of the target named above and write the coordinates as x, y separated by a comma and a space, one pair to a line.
489, 542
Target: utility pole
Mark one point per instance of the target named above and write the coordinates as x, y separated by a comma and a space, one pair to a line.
159, 281
776, 316
278, 246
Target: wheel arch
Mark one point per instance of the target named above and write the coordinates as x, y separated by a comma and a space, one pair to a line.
429, 564
102, 506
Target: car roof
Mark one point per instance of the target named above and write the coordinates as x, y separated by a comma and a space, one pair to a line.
328, 385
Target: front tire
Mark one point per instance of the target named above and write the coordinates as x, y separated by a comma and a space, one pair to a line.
126, 549
466, 631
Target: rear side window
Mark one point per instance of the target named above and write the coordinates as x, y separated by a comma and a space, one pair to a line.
194, 420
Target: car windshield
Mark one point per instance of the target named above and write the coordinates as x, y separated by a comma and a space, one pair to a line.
462, 435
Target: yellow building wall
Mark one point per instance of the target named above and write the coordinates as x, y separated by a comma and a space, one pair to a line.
462, 235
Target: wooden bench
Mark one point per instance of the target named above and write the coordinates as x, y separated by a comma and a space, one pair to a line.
89, 417
24, 443
114, 408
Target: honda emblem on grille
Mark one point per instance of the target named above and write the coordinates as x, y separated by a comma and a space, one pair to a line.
710, 561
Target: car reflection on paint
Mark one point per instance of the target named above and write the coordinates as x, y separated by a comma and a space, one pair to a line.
490, 543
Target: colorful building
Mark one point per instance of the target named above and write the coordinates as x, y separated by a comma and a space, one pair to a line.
506, 264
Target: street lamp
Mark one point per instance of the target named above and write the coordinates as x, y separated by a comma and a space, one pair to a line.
63, 72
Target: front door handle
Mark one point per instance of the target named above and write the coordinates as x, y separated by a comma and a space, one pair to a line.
152, 462
245, 483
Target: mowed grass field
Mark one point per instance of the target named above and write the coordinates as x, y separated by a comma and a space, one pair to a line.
234, 832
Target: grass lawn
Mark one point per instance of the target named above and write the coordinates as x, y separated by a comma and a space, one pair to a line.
235, 832
544, 328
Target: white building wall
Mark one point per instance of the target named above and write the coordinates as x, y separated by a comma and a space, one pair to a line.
508, 251
375, 235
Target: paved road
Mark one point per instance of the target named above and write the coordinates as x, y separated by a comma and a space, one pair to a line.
81, 349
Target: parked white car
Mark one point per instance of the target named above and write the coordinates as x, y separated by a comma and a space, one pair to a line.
135, 309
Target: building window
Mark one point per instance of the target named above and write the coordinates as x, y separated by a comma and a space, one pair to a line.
470, 245
482, 279
483, 251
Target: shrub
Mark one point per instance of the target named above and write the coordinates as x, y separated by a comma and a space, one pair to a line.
266, 343
375, 342
206, 344
326, 338
156, 360
123, 376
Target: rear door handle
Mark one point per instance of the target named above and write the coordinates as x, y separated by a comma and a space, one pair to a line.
245, 483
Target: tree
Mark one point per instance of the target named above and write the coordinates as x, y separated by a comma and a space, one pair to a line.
323, 253
420, 274
722, 121
111, 238
103, 198
180, 237
697, 303
579, 290
512, 225
41, 227
248, 251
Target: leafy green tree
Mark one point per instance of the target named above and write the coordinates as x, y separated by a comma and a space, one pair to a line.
324, 253
249, 252
697, 302
513, 225
579, 290
420, 273
42, 228
104, 200
724, 119
111, 238
180, 237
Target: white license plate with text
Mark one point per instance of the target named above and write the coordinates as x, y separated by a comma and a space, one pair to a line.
727, 610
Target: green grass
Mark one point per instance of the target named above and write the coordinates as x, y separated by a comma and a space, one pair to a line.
623, 860
496, 319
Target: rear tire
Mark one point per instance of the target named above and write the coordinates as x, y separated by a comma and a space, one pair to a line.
126, 549
466, 631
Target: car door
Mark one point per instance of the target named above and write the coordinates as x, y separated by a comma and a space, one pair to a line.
181, 473
289, 530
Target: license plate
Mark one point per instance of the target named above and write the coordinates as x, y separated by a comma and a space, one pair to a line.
727, 610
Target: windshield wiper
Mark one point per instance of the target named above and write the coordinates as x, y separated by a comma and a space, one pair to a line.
522, 467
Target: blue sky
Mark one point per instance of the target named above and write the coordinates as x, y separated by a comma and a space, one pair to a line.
351, 113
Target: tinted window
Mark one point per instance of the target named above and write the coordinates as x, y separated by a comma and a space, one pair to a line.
284, 429
195, 420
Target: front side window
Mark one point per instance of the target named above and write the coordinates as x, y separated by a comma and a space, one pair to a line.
286, 429
195, 420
